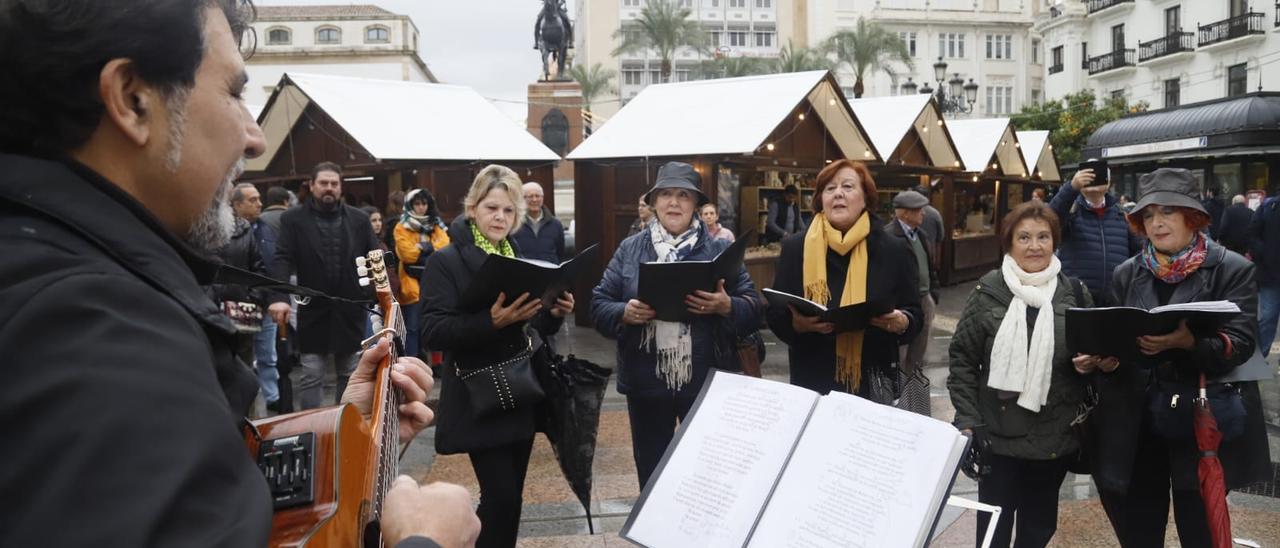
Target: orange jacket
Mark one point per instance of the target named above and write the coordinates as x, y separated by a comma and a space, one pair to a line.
407, 251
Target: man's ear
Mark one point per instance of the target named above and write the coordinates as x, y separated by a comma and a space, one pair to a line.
130, 104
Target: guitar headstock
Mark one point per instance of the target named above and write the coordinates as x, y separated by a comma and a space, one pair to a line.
372, 268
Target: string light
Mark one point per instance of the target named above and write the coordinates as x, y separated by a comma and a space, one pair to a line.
769, 146
801, 116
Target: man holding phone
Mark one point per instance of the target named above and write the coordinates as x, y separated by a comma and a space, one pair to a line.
1095, 235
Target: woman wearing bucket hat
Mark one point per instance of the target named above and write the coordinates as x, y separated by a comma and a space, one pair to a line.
845, 258
1144, 449
419, 233
662, 365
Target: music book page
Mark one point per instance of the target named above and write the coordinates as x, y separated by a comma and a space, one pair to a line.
863, 475
718, 472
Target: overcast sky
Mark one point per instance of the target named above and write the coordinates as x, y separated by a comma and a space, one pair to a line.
484, 44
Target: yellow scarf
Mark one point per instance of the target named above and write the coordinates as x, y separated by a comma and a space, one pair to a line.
820, 237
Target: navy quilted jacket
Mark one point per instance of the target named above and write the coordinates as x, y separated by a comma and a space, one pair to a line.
1092, 247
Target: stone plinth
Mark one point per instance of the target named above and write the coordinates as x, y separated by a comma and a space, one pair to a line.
548, 101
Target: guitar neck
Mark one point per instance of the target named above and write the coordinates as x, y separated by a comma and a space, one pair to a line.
384, 422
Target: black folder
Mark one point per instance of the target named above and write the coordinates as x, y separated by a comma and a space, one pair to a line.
664, 286
516, 276
1114, 331
847, 318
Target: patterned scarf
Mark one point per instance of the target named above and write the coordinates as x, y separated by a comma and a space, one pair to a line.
820, 237
503, 248
671, 342
1172, 269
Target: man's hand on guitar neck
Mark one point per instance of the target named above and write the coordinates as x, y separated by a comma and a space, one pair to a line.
439, 511
410, 375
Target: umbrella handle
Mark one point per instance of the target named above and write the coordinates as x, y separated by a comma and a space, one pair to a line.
1203, 394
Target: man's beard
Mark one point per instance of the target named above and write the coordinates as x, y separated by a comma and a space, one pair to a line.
212, 231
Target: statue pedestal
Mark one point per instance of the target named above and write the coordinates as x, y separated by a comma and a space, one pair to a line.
555, 118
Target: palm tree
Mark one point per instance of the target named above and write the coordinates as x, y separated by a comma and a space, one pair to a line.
731, 67
664, 27
793, 59
594, 82
868, 46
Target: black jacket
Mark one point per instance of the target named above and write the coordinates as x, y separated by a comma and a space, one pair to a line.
325, 326
242, 252
1233, 229
713, 338
470, 334
891, 272
122, 399
544, 244
1264, 241
1121, 410
894, 229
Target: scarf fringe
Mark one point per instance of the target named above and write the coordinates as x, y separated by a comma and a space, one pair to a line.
674, 363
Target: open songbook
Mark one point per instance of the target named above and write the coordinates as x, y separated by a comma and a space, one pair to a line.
846, 318
516, 276
1114, 331
664, 286
761, 463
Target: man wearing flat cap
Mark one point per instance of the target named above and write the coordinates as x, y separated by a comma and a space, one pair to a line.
908, 212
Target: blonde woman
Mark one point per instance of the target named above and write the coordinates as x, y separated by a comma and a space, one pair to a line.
498, 444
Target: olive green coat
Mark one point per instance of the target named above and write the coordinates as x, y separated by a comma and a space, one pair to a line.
1013, 430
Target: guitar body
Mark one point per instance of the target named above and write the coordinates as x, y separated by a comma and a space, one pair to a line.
337, 474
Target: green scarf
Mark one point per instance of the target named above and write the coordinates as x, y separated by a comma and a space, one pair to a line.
503, 248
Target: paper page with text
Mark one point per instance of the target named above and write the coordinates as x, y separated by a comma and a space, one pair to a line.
719, 471
863, 476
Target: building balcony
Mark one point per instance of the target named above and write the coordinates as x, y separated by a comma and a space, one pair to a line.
1277, 24
1177, 45
1230, 32
1096, 6
1054, 69
1110, 62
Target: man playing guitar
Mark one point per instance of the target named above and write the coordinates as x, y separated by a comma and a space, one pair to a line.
121, 405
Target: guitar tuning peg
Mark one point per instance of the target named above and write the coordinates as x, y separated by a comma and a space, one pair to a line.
362, 271
361, 262
364, 282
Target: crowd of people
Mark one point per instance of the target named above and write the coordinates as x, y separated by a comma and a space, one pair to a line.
120, 212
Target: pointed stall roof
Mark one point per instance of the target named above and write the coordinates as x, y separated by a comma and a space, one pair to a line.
980, 141
400, 120
1037, 152
723, 116
892, 120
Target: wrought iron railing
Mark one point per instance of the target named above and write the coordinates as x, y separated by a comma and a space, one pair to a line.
1054, 69
1174, 43
1109, 61
1230, 29
1096, 6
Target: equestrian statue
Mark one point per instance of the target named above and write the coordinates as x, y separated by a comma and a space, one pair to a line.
553, 34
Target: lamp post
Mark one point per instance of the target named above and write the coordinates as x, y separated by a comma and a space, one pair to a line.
960, 98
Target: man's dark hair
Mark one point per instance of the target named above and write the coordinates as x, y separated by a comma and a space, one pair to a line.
51, 54
326, 166
791, 189
276, 195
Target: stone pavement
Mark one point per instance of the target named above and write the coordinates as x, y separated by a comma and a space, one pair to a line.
553, 518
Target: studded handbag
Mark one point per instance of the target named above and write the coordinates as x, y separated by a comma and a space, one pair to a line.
504, 386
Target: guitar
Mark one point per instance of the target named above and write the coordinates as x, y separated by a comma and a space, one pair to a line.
329, 469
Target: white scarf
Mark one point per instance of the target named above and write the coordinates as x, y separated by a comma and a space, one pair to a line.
672, 342
1015, 367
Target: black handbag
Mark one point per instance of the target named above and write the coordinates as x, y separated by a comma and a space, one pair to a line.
1171, 406
504, 386
882, 384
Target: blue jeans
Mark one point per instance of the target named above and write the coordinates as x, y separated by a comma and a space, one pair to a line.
264, 352
1268, 311
412, 322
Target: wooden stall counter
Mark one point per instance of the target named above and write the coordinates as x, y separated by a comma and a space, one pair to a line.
761, 264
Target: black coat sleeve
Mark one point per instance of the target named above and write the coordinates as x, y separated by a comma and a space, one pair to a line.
786, 279
112, 390
444, 327
907, 292
283, 264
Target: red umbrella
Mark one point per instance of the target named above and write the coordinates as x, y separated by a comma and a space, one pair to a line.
1213, 487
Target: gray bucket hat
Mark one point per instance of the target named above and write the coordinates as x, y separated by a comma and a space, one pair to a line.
1168, 186
677, 175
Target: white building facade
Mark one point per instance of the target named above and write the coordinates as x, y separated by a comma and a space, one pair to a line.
988, 41
343, 40
736, 28
1165, 52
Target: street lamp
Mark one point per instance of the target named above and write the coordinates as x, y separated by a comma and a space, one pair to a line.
961, 97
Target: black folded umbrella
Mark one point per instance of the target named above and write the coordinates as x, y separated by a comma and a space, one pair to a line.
287, 358
571, 416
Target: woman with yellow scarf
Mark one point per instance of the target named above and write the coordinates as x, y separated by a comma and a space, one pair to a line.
846, 258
